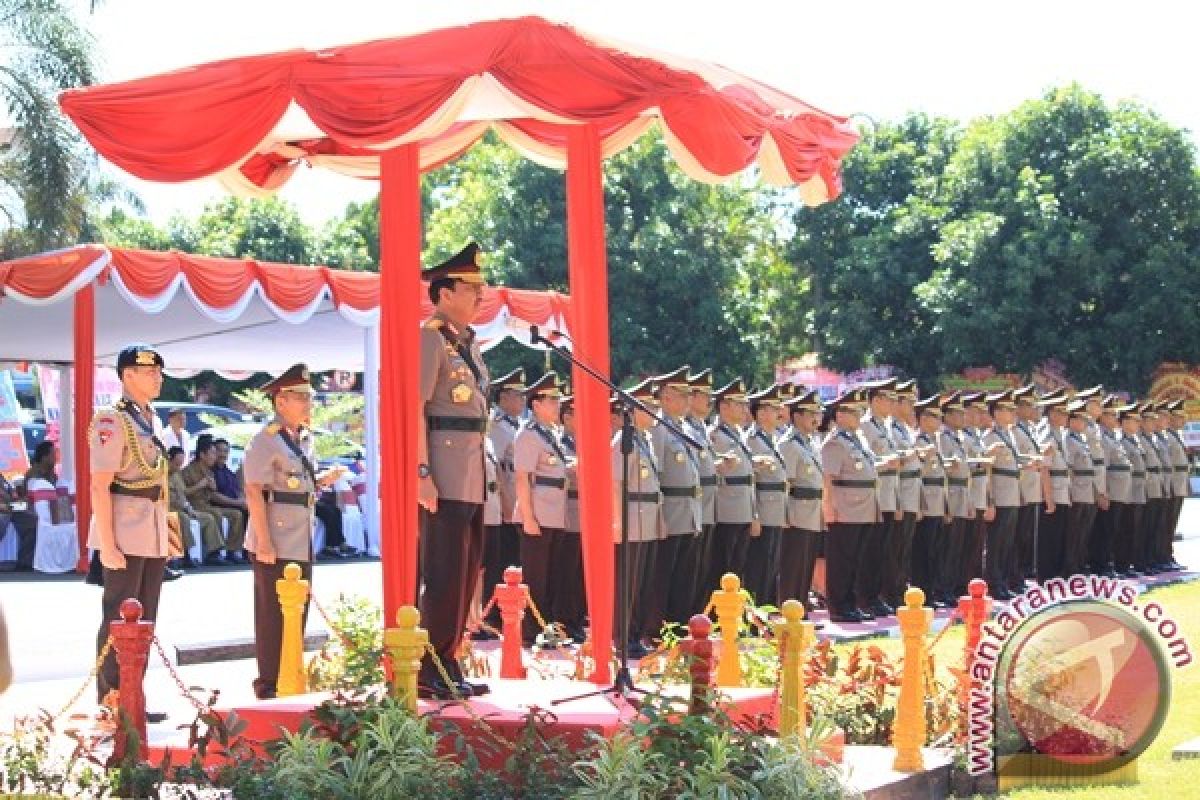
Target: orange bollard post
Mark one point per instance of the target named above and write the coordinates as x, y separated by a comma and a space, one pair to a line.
908, 735
730, 605
511, 597
699, 651
974, 608
131, 640
796, 635
406, 643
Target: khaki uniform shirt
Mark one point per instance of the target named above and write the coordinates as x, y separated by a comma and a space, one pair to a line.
683, 501
770, 481
908, 483
536, 450
493, 512
139, 524
1079, 465
1003, 485
708, 470
958, 473
1137, 463
933, 480
568, 446
879, 440
1180, 467
1060, 475
645, 501
851, 469
978, 491
1167, 469
806, 481
501, 433
449, 389
735, 488
1027, 448
196, 473
1096, 447
1118, 468
177, 493
270, 462
1154, 489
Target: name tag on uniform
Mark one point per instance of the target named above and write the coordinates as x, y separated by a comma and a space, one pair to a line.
552, 460
704, 454
858, 465
808, 470
645, 470
679, 458
461, 393
293, 482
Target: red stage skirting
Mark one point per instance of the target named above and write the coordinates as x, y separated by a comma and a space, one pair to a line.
506, 711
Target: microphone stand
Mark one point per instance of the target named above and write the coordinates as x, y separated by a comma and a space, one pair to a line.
622, 685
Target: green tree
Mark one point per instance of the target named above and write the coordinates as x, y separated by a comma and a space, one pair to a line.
46, 179
267, 230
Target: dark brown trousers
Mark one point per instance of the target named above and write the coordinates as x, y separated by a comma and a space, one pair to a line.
450, 559
142, 580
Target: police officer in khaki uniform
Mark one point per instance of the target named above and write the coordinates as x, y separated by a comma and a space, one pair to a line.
978, 420
850, 504
934, 509
736, 511
541, 467
1156, 499
1165, 533
643, 514
1003, 494
1030, 456
1093, 400
908, 494
570, 597
451, 479
800, 541
869, 574
1181, 486
673, 584
770, 497
1056, 488
281, 489
1119, 487
953, 540
502, 542
1127, 549
1081, 469
696, 422
129, 498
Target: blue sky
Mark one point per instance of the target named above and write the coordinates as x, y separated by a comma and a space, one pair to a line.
958, 59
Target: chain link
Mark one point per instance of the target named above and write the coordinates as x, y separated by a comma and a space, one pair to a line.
183, 689
104, 651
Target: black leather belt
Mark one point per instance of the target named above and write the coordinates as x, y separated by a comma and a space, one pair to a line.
708, 480
151, 493
289, 498
1084, 473
933, 481
957, 481
1058, 473
491, 487
1097, 462
470, 424
805, 493
1137, 474
1154, 470
1008, 473
1119, 468
1182, 469
911, 473
739, 480
643, 497
854, 484
771, 487
682, 491
572, 494
553, 483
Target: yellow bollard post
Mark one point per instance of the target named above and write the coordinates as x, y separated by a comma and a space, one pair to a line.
406, 642
729, 605
908, 735
293, 592
796, 635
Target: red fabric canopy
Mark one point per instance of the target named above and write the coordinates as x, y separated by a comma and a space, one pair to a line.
444, 88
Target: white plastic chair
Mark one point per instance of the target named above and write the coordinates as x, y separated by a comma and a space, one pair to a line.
56, 548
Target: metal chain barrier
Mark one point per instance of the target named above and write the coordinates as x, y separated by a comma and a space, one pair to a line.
95, 670
183, 689
385, 658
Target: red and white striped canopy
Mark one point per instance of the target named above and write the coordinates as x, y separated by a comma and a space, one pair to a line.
219, 313
252, 121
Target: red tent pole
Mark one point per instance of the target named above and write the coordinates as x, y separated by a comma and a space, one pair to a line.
84, 335
399, 360
588, 272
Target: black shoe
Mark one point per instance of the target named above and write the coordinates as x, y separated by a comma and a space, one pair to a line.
1131, 573
238, 558
215, 559
1177, 566
636, 650
190, 562
576, 634
468, 689
155, 717
172, 574
864, 614
265, 694
882, 609
437, 689
847, 618
483, 635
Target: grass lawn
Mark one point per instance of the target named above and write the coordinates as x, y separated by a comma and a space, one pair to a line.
1158, 775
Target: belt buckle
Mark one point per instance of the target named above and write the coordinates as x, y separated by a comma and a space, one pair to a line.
699, 492
311, 502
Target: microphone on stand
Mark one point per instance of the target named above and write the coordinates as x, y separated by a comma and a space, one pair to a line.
535, 331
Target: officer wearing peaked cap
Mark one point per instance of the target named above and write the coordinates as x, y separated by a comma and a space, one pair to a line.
1003, 495
451, 476
1081, 469
953, 540
1128, 550
908, 493
570, 600
1056, 487
1158, 485
736, 511
696, 424
934, 510
1030, 458
1118, 485
978, 418
1173, 425
502, 545
770, 496
800, 542
871, 575
281, 488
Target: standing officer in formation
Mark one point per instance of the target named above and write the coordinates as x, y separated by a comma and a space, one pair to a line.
1118, 486
908, 495
129, 499
1056, 487
934, 508
1030, 457
569, 591
770, 497
451, 476
800, 542
281, 489
736, 511
1003, 495
1128, 549
978, 420
876, 430
953, 539
1082, 477
1180, 479
696, 421
502, 547
1156, 498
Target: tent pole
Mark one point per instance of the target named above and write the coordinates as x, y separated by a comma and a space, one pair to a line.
84, 335
371, 432
399, 362
588, 273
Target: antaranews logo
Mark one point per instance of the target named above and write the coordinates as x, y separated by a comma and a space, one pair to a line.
1071, 680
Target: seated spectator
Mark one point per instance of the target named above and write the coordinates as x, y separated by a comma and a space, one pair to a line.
228, 482
329, 511
200, 488
177, 501
57, 545
175, 435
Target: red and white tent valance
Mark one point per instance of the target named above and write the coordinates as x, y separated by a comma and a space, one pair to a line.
252, 121
219, 313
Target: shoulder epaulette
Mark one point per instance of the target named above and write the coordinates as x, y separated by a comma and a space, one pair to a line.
434, 324
273, 428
